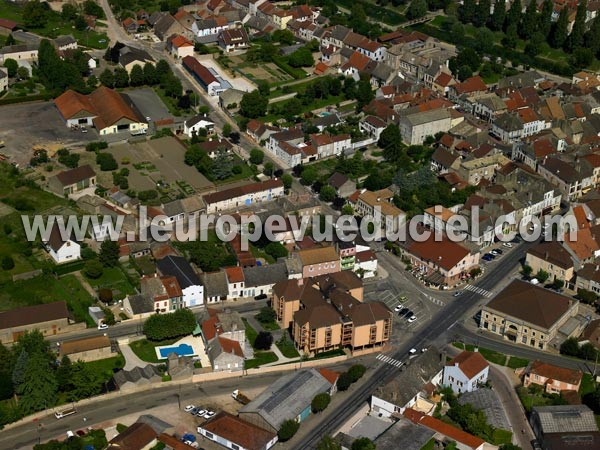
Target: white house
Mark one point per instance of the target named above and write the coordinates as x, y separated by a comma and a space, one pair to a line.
466, 372
192, 126
235, 282
3, 80
259, 280
191, 287
62, 249
365, 262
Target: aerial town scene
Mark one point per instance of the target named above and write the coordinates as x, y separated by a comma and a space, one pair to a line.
300, 224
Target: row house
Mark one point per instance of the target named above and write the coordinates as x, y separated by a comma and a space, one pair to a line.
209, 27
328, 145
488, 106
179, 47
379, 206
284, 145
163, 291
572, 179
552, 258
243, 196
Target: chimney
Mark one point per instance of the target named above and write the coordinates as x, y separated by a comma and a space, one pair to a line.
546, 254
300, 281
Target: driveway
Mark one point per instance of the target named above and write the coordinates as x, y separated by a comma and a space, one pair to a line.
131, 359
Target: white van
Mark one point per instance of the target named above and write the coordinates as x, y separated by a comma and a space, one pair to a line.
65, 412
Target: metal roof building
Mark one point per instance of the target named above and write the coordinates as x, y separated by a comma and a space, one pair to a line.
288, 398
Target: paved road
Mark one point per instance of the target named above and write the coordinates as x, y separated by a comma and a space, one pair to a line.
437, 333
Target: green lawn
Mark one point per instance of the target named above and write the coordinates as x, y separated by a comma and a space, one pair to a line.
502, 437
250, 332
490, 355
145, 265
268, 326
245, 174
47, 289
515, 362
115, 279
587, 384
144, 349
287, 348
260, 253
329, 354
430, 445
260, 358
104, 367
529, 400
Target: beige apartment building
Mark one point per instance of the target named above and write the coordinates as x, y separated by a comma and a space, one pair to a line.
527, 314
319, 261
553, 258
327, 312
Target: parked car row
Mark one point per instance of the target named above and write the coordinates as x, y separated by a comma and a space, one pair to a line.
199, 412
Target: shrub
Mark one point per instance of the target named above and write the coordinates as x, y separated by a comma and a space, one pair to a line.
106, 161
320, 402
356, 372
263, 341
288, 430
171, 325
93, 269
105, 295
344, 382
95, 146
8, 263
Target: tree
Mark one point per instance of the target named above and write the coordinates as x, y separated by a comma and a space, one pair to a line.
464, 72
592, 37
510, 38
328, 443
263, 340
18, 373
93, 269
266, 315
68, 12
288, 430
527, 270
588, 351
162, 68
542, 276
592, 400
499, 15
363, 443
159, 327
39, 387
227, 130
344, 381
11, 66
309, 175
582, 57
327, 194
287, 181
416, 9
150, 75
510, 447
364, 92
121, 77
529, 22
263, 86
586, 296
107, 78
301, 58
90, 7
570, 347
482, 13
136, 77
23, 73
84, 382
320, 402
106, 161
35, 14
545, 18
575, 39
534, 45
513, 17
109, 253
253, 105
390, 136
8, 263
256, 156
276, 250
559, 31
558, 284
356, 372
223, 166
466, 11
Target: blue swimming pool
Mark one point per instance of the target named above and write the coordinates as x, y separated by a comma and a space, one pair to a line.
181, 350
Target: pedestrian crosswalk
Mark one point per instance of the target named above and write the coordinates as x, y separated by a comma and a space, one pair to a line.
386, 359
478, 290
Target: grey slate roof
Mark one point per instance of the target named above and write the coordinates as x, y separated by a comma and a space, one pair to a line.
432, 115
128, 55
520, 80
141, 304
157, 425
405, 435
263, 275
565, 418
215, 283
136, 374
180, 268
287, 397
64, 40
509, 122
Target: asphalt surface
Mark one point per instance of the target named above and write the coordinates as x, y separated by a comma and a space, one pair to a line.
437, 333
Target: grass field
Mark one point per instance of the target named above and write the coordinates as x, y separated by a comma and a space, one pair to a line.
260, 358
115, 279
47, 289
490, 355
250, 332
104, 367
144, 349
287, 348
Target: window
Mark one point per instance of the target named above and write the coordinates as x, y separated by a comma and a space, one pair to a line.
208, 434
234, 446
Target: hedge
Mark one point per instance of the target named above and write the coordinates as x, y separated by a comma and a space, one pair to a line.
29, 98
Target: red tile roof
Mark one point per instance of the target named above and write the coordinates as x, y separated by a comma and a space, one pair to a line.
329, 375
443, 79
446, 254
199, 70
470, 363
553, 372
235, 274
443, 428
239, 431
231, 346
473, 84
5, 23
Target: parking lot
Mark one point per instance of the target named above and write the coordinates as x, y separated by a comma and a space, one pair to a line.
24, 126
